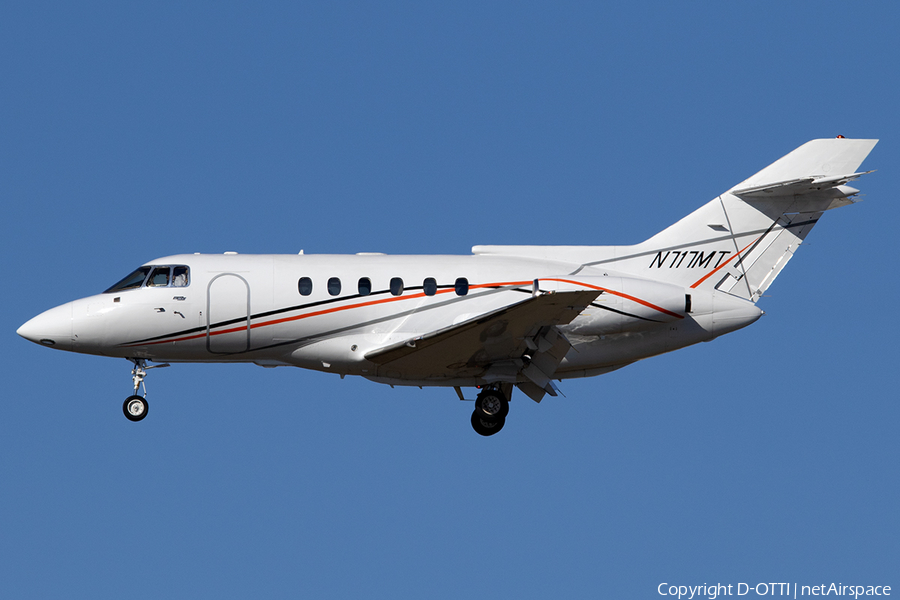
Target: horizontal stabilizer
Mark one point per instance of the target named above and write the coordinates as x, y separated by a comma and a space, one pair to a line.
796, 187
821, 160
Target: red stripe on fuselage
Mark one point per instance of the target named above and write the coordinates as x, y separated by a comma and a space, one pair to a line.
395, 299
621, 295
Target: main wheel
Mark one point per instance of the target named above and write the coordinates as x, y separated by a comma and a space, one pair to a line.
135, 408
486, 427
491, 405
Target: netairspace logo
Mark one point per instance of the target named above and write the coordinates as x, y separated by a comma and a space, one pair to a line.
713, 591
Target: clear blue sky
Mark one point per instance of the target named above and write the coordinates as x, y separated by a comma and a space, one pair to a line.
130, 132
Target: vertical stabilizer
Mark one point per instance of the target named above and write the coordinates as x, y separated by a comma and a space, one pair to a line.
739, 242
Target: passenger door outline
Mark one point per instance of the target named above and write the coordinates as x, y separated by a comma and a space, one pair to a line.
234, 342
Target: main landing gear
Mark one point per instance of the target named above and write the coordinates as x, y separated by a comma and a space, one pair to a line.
136, 407
491, 408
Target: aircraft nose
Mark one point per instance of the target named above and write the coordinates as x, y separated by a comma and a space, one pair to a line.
52, 328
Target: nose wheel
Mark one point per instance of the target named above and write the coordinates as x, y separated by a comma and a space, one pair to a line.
491, 408
135, 406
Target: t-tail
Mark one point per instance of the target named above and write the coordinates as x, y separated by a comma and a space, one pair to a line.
740, 241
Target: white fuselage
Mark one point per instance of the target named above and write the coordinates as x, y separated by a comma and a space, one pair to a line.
249, 308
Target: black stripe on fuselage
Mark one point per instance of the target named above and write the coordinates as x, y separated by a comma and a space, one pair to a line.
290, 309
305, 341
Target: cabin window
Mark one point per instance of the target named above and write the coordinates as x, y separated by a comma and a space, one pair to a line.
461, 286
430, 286
334, 286
132, 281
396, 286
159, 277
365, 286
305, 286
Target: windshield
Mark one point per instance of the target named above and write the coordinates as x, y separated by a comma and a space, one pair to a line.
132, 281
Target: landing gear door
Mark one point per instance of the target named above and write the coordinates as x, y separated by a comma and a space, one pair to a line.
228, 314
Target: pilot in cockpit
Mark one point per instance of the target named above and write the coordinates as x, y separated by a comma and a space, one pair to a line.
180, 278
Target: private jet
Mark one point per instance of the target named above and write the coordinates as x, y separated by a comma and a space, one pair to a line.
504, 317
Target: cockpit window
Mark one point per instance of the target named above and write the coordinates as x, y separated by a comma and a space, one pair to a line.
180, 277
159, 277
132, 281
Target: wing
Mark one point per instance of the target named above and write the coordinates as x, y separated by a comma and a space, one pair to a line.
492, 345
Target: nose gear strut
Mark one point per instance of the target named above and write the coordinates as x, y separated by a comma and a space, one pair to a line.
136, 407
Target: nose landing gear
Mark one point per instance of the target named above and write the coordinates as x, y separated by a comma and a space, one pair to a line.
135, 406
491, 408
